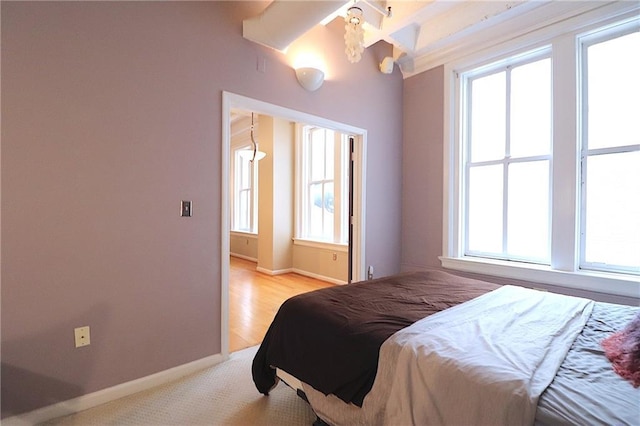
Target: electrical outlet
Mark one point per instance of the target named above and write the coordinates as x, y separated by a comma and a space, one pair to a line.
335, 256
370, 273
83, 337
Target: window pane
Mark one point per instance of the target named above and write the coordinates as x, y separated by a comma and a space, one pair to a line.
613, 209
317, 155
245, 174
531, 109
528, 210
243, 213
328, 212
330, 146
613, 92
488, 117
315, 211
485, 209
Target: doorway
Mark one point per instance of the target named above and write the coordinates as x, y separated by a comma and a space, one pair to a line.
356, 254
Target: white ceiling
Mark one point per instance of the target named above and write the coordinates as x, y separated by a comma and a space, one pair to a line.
422, 32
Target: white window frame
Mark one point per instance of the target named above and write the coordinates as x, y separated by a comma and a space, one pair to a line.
565, 249
507, 66
253, 197
586, 41
340, 189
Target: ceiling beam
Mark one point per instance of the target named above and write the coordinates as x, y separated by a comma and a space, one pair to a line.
282, 22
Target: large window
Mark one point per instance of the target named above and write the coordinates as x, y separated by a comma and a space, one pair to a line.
610, 156
323, 176
545, 178
508, 161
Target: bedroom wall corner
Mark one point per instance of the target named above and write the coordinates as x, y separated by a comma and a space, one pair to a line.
423, 132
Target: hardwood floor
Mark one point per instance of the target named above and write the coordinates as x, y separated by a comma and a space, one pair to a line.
254, 299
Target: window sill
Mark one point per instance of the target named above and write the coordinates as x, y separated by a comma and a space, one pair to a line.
321, 244
618, 284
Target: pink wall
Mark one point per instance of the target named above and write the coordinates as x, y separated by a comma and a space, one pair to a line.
423, 97
111, 114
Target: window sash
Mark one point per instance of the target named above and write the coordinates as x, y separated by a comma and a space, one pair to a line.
334, 174
244, 193
505, 161
585, 42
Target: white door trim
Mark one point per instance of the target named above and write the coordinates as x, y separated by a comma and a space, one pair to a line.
232, 100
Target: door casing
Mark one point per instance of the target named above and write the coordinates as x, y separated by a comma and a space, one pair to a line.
357, 242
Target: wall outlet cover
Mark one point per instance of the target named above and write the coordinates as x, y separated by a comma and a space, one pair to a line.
82, 335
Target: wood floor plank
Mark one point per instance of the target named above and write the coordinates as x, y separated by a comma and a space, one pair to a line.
254, 299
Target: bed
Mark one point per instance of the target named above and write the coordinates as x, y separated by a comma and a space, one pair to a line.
430, 347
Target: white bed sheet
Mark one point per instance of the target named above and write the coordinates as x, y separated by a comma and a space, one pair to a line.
485, 361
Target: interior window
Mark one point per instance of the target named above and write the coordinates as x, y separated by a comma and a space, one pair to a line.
243, 218
323, 174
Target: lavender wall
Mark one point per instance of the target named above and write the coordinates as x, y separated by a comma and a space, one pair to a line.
111, 114
423, 107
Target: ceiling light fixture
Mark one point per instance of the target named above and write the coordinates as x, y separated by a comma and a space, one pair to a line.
354, 30
252, 154
354, 34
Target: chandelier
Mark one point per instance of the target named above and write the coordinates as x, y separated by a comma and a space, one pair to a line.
354, 34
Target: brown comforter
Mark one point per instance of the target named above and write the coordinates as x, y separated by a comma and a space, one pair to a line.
330, 338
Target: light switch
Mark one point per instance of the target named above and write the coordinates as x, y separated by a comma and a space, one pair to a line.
185, 209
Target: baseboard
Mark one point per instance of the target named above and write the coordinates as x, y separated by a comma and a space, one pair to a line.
317, 276
274, 272
242, 256
103, 396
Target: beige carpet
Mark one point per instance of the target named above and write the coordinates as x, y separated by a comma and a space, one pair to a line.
220, 395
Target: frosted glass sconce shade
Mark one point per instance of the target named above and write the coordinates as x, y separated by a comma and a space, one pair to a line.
310, 78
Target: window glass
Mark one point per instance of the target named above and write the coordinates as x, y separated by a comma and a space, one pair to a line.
528, 210
611, 154
488, 108
613, 92
243, 193
612, 231
514, 100
531, 109
485, 209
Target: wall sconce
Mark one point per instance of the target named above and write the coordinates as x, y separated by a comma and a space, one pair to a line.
386, 66
310, 78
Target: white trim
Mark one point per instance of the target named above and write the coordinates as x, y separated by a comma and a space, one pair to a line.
318, 276
225, 232
242, 256
321, 245
273, 272
299, 272
103, 396
621, 285
540, 23
232, 100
